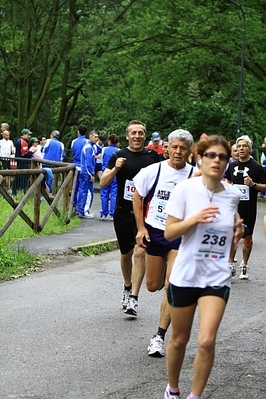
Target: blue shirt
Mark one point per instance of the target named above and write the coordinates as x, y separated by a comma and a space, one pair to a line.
53, 150
76, 146
87, 159
107, 153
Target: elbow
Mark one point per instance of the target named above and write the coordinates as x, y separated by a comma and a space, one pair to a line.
102, 183
167, 236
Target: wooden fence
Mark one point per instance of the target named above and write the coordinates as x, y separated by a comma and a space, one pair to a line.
65, 177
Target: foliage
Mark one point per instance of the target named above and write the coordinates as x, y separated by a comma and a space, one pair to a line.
170, 63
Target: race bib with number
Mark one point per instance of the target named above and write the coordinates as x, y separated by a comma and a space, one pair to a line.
158, 210
244, 190
213, 243
129, 190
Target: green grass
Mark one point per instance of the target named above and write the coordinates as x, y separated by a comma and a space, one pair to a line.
93, 250
20, 229
16, 262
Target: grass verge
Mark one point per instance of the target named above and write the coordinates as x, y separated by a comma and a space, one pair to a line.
17, 262
97, 248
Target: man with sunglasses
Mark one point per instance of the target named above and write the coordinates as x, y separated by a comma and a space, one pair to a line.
250, 178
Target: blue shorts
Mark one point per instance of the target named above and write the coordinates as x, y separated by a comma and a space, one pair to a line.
158, 245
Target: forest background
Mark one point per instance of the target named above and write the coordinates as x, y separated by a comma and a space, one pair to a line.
171, 63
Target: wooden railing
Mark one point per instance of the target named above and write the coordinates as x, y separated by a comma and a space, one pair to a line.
65, 177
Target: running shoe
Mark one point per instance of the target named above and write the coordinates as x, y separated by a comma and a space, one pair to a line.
103, 217
243, 271
132, 307
169, 395
233, 269
155, 348
88, 215
125, 298
111, 218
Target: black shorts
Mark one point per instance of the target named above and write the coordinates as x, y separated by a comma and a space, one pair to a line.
126, 229
5, 164
159, 246
249, 220
180, 297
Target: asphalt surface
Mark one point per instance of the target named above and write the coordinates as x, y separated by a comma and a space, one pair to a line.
63, 333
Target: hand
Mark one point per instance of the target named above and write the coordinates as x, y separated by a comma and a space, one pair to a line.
207, 215
92, 179
143, 232
119, 163
248, 181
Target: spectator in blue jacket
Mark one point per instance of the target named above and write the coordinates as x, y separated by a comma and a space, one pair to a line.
53, 150
87, 170
108, 194
76, 147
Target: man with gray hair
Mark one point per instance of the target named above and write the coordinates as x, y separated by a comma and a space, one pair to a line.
153, 186
249, 176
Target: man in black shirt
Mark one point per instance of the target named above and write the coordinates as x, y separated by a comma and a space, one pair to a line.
249, 176
125, 164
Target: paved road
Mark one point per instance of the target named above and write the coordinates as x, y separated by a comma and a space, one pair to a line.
64, 336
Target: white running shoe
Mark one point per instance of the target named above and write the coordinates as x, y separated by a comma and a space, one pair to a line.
132, 307
125, 298
88, 215
243, 271
168, 395
155, 348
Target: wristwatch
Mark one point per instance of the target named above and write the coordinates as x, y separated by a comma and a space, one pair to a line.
254, 185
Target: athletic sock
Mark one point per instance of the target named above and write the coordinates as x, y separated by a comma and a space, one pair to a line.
134, 296
193, 397
128, 288
161, 332
172, 390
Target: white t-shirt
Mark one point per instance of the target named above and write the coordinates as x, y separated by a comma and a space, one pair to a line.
168, 179
204, 251
6, 148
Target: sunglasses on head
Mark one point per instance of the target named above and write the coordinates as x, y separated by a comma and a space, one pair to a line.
213, 155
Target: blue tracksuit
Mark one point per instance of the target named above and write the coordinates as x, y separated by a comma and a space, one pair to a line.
76, 147
87, 170
108, 193
53, 150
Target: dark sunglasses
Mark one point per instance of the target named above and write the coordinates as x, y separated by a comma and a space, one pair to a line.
213, 155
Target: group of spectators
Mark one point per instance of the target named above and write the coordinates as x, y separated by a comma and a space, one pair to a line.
28, 146
91, 158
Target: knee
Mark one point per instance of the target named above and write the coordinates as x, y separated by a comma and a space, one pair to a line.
152, 286
248, 242
179, 343
206, 344
139, 252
